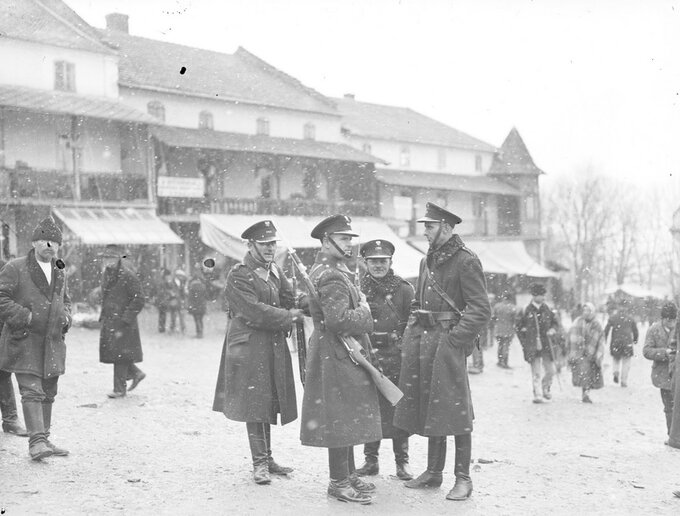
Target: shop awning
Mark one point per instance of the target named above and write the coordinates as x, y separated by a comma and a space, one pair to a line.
502, 257
71, 104
442, 181
129, 226
209, 139
222, 233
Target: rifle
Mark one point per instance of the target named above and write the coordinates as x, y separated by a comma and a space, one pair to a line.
300, 338
355, 351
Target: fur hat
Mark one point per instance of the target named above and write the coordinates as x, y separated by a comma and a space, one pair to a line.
47, 229
669, 311
537, 289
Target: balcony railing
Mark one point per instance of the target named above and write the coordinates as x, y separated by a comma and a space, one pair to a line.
47, 185
240, 206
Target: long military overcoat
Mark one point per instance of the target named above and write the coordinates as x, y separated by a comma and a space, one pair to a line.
340, 405
36, 347
434, 376
390, 301
122, 300
255, 381
624, 335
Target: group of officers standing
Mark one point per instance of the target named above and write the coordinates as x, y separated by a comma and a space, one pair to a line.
419, 338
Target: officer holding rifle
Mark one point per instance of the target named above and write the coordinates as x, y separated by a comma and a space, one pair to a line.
340, 406
450, 311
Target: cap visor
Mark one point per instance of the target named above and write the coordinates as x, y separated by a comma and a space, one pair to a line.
377, 256
348, 233
427, 219
266, 240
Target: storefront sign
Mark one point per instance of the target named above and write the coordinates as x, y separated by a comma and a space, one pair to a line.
172, 186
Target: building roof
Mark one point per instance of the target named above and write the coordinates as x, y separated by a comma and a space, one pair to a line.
238, 77
71, 104
513, 158
404, 125
50, 22
209, 139
441, 181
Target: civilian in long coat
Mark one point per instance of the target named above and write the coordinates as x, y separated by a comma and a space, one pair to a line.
436, 343
197, 300
255, 382
119, 341
390, 298
537, 325
503, 324
36, 310
624, 336
586, 350
661, 348
340, 407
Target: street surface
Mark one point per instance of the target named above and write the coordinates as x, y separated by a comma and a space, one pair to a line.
162, 450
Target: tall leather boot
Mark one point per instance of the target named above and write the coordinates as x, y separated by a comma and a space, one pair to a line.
8, 407
47, 420
462, 489
436, 459
274, 468
370, 466
37, 442
400, 448
258, 449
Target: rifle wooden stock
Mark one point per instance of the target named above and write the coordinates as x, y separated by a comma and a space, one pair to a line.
391, 392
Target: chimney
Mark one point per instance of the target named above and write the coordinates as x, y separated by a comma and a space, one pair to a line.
349, 96
117, 21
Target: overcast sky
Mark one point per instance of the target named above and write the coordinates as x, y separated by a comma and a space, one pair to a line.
585, 82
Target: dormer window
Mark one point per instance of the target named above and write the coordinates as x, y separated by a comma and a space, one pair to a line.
205, 120
405, 156
156, 109
310, 131
64, 76
478, 163
262, 126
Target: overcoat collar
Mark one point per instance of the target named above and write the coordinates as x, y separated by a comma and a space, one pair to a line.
332, 261
38, 276
444, 252
261, 268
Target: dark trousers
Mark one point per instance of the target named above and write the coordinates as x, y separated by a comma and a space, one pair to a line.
399, 446
667, 400
198, 320
8, 404
341, 462
503, 348
122, 372
162, 314
436, 455
175, 314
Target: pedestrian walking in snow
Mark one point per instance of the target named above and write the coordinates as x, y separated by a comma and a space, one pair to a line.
503, 317
586, 350
197, 299
536, 326
661, 347
340, 408
624, 333
389, 298
255, 380
36, 310
119, 340
452, 309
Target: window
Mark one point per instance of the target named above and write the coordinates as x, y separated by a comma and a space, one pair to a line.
366, 147
531, 207
478, 163
478, 206
262, 126
205, 120
441, 159
64, 76
310, 132
310, 183
156, 109
405, 156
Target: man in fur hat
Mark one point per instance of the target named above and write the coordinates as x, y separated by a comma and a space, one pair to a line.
36, 308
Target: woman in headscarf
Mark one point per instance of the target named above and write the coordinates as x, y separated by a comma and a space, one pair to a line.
586, 350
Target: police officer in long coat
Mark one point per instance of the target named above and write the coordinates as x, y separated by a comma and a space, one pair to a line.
255, 381
340, 407
452, 309
389, 298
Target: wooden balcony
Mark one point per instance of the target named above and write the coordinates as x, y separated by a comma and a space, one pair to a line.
176, 208
46, 186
